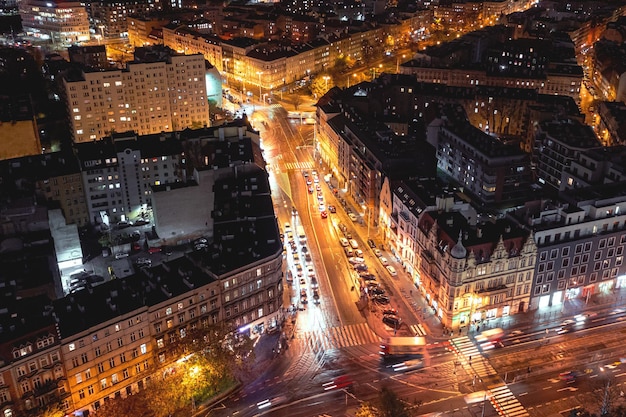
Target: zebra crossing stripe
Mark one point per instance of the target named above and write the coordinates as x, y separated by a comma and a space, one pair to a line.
418, 330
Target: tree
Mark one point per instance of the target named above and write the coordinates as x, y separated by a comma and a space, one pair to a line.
132, 405
321, 84
296, 100
390, 405
366, 410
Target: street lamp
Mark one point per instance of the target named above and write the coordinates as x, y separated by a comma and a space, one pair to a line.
226, 68
398, 63
326, 78
259, 73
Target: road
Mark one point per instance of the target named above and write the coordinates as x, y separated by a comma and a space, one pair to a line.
335, 339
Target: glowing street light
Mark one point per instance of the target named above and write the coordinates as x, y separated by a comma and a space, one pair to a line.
326, 78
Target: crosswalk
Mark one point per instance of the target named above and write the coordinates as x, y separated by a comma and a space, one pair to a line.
502, 399
337, 337
417, 330
505, 402
471, 358
299, 165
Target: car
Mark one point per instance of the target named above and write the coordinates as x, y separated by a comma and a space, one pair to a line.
372, 283
332, 208
391, 270
322, 207
358, 253
349, 252
371, 243
304, 250
355, 261
121, 255
378, 253
344, 242
347, 234
199, 246
380, 299
354, 244
352, 217
342, 227
309, 182
142, 222
318, 187
302, 281
375, 290
289, 276
366, 276
383, 260
320, 195
343, 381
392, 321
390, 312
136, 247
311, 189
313, 282
303, 300
307, 257
305, 173
298, 266
324, 214
310, 270
316, 295
124, 224
296, 257
143, 262
316, 179
202, 240
360, 267
303, 292
568, 377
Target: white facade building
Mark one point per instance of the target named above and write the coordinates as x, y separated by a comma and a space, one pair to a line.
62, 22
147, 97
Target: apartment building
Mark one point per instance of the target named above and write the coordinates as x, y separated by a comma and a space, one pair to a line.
119, 171
32, 375
556, 144
580, 243
473, 268
160, 91
491, 170
110, 17
596, 166
62, 22
611, 122
185, 40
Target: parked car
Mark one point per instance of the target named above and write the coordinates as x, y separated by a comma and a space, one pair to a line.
390, 312
142, 222
121, 255
392, 321
143, 262
349, 252
366, 276
352, 217
371, 243
378, 253
360, 267
383, 260
355, 261
375, 290
332, 208
391, 270
344, 242
354, 244
358, 253
380, 299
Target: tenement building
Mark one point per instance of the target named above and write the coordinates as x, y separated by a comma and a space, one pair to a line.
470, 270
580, 243
160, 91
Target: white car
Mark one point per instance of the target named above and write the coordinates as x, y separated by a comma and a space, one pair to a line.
344, 242
352, 217
391, 270
354, 244
378, 253
356, 260
383, 261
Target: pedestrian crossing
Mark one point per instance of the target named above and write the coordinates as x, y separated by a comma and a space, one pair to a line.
502, 399
417, 330
505, 402
337, 337
471, 358
298, 165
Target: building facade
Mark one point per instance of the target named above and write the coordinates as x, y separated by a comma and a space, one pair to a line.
63, 23
163, 93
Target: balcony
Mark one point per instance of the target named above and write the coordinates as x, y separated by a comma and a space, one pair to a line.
493, 290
